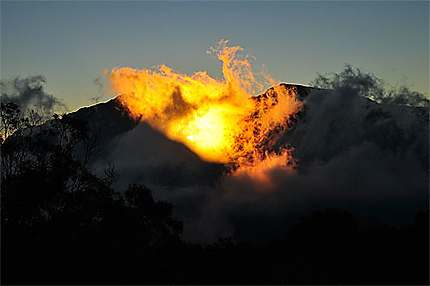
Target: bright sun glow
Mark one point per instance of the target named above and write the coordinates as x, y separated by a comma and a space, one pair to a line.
219, 120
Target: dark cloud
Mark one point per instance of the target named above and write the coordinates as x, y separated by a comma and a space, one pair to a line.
29, 94
343, 117
353, 154
353, 81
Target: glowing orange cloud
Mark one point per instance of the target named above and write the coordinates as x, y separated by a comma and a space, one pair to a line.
219, 120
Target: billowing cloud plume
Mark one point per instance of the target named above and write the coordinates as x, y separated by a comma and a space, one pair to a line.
352, 153
29, 94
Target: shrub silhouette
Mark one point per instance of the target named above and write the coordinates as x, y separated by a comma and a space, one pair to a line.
62, 224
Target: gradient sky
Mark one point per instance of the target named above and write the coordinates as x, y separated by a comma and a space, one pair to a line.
72, 43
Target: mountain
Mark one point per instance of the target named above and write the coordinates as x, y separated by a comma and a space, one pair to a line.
132, 145
360, 179
108, 119
329, 124
351, 153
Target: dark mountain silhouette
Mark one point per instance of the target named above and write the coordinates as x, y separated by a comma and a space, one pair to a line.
352, 152
355, 212
329, 124
108, 119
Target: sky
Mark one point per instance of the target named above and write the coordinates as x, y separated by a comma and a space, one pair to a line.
73, 43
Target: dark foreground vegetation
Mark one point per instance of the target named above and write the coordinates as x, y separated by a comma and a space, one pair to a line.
62, 224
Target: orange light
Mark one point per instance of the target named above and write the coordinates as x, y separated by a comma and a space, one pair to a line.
219, 120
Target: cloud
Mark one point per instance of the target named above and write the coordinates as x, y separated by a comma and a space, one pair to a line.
29, 94
353, 154
364, 180
368, 85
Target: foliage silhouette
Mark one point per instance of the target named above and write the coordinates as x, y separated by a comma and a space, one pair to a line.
57, 216
62, 224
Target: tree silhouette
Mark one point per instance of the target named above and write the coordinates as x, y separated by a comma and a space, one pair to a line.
59, 217
62, 224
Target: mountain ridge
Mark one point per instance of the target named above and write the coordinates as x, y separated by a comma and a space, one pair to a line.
111, 119
351, 153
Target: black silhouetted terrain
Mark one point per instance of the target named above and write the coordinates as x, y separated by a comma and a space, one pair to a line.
61, 223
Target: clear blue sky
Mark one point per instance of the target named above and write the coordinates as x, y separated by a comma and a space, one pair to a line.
72, 43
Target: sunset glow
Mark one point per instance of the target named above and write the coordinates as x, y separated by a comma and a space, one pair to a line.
219, 120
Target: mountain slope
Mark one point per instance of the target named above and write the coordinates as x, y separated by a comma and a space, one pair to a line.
329, 124
352, 153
